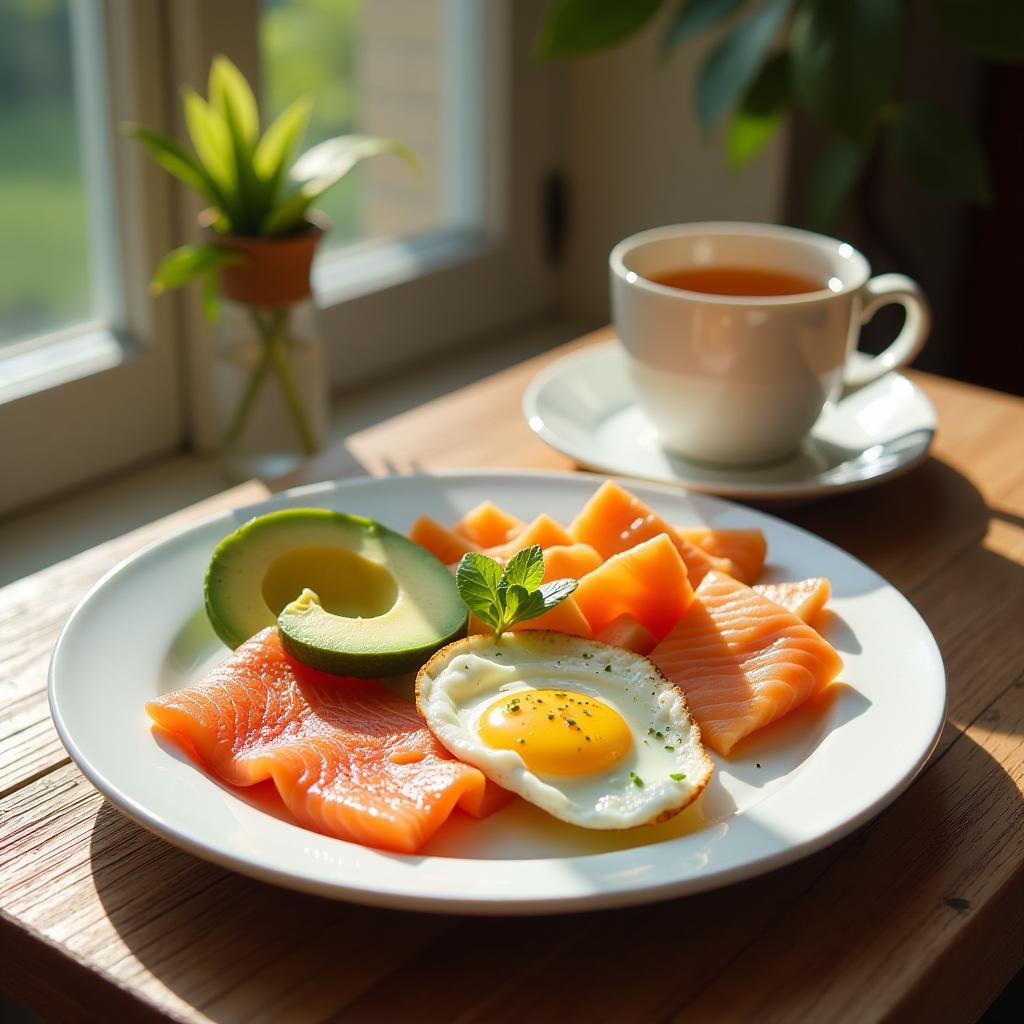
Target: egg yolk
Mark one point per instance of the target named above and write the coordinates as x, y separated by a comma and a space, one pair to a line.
557, 732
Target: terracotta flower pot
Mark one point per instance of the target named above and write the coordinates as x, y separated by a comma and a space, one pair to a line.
275, 271
271, 381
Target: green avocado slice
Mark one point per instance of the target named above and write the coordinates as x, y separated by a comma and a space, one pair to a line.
349, 595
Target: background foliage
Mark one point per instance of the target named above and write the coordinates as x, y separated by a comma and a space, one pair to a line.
836, 61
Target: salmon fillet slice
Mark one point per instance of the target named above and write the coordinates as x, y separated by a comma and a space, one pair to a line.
745, 550
805, 598
615, 520
349, 757
742, 661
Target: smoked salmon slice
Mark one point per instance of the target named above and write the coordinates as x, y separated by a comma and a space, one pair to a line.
349, 757
745, 549
742, 661
442, 543
648, 581
614, 520
488, 526
804, 599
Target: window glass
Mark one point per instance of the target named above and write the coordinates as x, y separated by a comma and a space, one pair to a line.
385, 67
44, 217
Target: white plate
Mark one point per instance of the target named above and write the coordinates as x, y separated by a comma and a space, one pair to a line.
583, 405
795, 787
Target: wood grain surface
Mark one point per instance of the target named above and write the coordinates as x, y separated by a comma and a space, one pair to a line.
917, 916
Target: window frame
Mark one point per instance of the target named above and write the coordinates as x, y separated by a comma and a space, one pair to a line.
93, 398
141, 387
405, 301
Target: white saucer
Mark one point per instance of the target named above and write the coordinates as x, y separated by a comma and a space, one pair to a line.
583, 405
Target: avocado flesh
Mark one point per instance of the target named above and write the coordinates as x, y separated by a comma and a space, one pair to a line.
383, 604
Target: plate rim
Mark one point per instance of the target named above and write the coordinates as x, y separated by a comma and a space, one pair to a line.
375, 895
538, 425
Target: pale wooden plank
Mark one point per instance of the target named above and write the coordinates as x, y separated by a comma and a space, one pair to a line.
132, 923
89, 881
32, 613
939, 874
200, 942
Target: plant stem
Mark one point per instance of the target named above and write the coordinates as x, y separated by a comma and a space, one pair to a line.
244, 408
289, 389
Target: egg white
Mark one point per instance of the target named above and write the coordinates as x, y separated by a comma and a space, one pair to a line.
458, 684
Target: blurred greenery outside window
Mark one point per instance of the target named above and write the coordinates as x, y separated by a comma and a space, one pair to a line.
379, 68
308, 48
376, 68
46, 283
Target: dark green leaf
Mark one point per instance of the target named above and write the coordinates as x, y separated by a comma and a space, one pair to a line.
834, 177
275, 148
522, 605
232, 99
937, 150
575, 27
526, 568
212, 141
760, 112
188, 262
175, 159
731, 66
556, 591
231, 95
477, 579
323, 166
993, 29
846, 56
695, 16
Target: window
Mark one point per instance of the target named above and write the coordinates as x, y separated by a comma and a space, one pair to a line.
48, 286
413, 264
402, 69
88, 380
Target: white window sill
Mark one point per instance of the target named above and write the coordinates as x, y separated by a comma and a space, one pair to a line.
59, 529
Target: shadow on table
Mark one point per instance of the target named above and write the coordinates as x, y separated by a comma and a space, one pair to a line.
298, 957
240, 950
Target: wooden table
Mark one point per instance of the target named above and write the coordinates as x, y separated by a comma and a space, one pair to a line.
919, 915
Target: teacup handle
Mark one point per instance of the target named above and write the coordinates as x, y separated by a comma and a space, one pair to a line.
878, 292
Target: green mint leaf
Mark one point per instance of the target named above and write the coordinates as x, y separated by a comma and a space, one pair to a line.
526, 568
478, 579
557, 591
527, 605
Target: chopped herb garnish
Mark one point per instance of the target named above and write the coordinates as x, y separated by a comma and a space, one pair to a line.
560, 693
521, 740
667, 747
551, 717
502, 597
607, 668
587, 656
758, 763
570, 722
637, 781
677, 776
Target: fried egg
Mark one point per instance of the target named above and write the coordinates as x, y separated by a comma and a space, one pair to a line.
593, 734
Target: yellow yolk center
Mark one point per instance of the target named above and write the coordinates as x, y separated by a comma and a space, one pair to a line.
557, 732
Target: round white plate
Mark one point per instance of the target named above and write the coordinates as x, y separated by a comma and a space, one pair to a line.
794, 787
583, 405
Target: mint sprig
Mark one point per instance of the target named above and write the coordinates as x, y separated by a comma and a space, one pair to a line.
502, 597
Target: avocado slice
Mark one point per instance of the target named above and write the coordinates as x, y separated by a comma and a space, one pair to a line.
349, 595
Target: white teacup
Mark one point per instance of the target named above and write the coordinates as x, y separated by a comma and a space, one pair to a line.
737, 380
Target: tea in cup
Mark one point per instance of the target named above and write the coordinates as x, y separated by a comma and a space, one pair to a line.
738, 334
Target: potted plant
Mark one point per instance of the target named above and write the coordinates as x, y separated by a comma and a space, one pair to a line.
839, 62
260, 232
